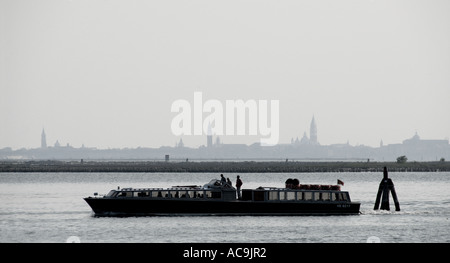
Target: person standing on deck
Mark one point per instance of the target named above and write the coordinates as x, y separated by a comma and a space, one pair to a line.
238, 187
223, 181
229, 183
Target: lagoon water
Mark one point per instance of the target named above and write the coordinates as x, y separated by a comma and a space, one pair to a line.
48, 207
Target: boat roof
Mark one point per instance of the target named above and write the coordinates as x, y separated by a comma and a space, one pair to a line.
216, 184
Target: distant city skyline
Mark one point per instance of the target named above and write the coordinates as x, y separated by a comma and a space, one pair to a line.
413, 149
211, 140
105, 74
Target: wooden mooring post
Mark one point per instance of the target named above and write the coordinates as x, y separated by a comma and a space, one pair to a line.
386, 186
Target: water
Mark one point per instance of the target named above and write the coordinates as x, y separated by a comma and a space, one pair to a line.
48, 207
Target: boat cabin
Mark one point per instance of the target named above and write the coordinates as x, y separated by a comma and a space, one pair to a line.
174, 193
284, 194
229, 194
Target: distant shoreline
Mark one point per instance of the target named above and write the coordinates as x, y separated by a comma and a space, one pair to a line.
54, 166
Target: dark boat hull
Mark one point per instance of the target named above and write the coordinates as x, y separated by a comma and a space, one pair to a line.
177, 207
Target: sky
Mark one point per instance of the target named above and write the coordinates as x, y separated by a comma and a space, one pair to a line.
105, 73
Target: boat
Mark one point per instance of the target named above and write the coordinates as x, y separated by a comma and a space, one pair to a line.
216, 198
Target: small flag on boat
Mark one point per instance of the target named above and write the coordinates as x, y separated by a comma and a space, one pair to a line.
340, 182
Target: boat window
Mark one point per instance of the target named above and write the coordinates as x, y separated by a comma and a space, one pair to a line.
191, 194
182, 194
141, 194
282, 195
212, 194
111, 193
273, 195
322, 196
316, 196
341, 197
300, 196
125, 194
290, 195
334, 196
164, 194
155, 194
307, 196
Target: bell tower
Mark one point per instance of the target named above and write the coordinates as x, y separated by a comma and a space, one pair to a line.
43, 139
313, 132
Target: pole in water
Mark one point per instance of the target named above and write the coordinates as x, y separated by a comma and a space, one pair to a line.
386, 186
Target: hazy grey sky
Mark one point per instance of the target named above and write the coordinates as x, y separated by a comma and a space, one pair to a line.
105, 73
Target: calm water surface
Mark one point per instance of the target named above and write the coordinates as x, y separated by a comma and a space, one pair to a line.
48, 207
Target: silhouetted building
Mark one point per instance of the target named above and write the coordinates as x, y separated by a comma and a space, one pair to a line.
415, 141
43, 139
313, 132
312, 140
180, 144
209, 139
305, 139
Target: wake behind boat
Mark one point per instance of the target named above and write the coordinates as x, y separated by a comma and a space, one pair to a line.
217, 198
